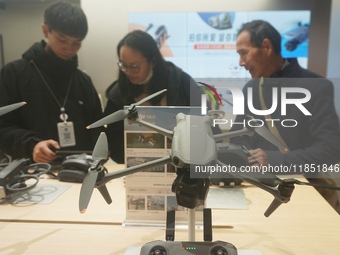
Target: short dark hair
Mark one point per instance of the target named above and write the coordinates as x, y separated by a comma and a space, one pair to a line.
147, 46
260, 30
66, 18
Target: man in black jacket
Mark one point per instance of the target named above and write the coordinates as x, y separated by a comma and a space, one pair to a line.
309, 131
61, 99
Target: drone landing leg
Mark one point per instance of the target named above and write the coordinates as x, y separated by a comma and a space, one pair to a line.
191, 225
207, 225
170, 225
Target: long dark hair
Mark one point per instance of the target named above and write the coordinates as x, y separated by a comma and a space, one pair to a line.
146, 45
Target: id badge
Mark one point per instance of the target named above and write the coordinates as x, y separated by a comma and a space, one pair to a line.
66, 134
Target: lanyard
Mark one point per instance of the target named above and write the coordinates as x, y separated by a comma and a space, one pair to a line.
63, 115
272, 128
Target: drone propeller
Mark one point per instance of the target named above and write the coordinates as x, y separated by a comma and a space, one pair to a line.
280, 189
262, 130
266, 134
9, 108
122, 114
100, 154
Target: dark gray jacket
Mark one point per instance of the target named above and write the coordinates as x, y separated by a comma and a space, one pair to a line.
316, 138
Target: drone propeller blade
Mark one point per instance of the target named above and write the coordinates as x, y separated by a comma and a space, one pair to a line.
262, 130
272, 207
100, 154
105, 193
86, 189
9, 108
122, 114
114, 117
266, 134
101, 151
150, 97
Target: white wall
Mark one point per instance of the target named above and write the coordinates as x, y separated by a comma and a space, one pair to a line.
20, 25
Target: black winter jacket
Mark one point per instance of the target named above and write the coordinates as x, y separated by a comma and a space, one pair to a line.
21, 129
182, 90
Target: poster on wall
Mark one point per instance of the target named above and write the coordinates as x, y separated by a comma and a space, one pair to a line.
203, 43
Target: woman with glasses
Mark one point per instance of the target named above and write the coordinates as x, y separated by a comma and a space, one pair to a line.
142, 72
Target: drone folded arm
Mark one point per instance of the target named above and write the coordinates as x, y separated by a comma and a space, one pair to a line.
133, 169
244, 131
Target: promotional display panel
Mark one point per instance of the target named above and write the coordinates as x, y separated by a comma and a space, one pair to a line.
203, 43
148, 193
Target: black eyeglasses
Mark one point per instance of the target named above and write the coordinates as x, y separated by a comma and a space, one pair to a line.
132, 68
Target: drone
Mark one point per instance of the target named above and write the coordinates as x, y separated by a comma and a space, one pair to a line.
296, 36
159, 34
19, 175
205, 149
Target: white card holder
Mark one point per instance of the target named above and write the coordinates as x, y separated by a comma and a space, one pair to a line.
66, 134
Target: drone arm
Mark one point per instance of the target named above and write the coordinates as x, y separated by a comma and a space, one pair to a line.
244, 131
285, 191
134, 169
153, 127
281, 194
257, 183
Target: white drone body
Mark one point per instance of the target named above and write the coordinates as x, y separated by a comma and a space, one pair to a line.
193, 142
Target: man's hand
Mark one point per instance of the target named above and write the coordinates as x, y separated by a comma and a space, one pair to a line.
258, 157
43, 151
